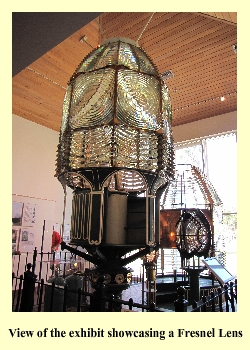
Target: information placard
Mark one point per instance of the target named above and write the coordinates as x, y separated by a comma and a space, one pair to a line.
218, 270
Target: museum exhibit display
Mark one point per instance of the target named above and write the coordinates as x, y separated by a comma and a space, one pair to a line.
190, 209
116, 153
129, 140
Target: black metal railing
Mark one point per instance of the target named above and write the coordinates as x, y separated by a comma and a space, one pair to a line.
39, 290
38, 296
219, 300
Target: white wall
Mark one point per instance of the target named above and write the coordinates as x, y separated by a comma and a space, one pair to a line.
205, 127
33, 160
33, 168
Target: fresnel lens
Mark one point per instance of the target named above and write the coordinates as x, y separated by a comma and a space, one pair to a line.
116, 153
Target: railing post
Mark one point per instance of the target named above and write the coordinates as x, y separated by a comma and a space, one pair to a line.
232, 296
19, 293
181, 304
235, 282
65, 295
131, 303
79, 299
27, 300
220, 299
97, 300
152, 307
175, 275
204, 303
226, 297
52, 296
41, 295
13, 290
212, 300
34, 260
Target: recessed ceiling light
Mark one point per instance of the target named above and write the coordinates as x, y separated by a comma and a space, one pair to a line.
222, 98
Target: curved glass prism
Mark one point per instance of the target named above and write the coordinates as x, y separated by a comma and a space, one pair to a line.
116, 114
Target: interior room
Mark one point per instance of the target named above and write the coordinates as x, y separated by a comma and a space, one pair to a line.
124, 166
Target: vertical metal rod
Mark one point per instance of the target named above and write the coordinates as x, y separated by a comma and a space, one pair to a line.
162, 261
65, 297
232, 297
19, 293
41, 295
52, 296
64, 267
79, 299
143, 287
204, 300
64, 207
34, 260
18, 264
131, 303
220, 299
213, 301
226, 297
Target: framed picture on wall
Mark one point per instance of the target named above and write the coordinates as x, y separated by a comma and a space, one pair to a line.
26, 240
29, 214
17, 212
15, 239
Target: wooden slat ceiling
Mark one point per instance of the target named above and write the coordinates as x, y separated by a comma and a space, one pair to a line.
196, 47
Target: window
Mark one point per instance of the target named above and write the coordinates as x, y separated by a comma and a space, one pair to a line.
190, 153
216, 156
221, 170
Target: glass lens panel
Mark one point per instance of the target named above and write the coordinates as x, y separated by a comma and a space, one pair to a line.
135, 149
89, 62
138, 102
65, 113
91, 148
92, 99
125, 180
126, 57
145, 64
